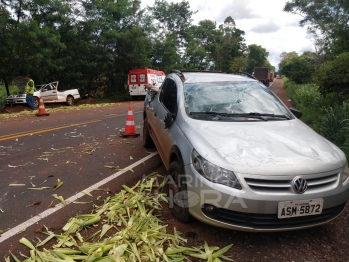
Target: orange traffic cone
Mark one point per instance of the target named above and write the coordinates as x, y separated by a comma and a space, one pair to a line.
42, 110
130, 129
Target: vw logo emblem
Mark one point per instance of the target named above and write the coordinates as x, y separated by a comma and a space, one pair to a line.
299, 185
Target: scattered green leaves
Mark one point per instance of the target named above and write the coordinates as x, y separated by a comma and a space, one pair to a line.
130, 232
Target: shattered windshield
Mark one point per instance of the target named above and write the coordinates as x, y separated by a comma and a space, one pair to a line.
232, 99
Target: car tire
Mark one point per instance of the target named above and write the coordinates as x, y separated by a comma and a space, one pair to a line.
36, 101
177, 193
147, 140
70, 100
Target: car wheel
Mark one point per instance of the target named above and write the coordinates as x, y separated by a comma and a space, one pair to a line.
36, 101
147, 140
70, 100
177, 193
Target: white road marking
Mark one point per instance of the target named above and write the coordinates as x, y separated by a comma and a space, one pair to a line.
272, 83
37, 218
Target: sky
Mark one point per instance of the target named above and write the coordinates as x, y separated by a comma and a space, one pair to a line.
263, 22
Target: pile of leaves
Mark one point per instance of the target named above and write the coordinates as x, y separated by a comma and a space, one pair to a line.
126, 227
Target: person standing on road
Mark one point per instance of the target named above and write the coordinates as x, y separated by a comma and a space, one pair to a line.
29, 91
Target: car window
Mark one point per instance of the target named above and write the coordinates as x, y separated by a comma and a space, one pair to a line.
168, 96
232, 98
160, 79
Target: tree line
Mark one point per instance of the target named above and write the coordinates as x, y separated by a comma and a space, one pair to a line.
92, 44
327, 67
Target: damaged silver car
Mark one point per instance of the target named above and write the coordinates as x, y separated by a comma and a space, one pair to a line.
238, 158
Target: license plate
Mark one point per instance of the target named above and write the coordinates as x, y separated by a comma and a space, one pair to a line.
300, 208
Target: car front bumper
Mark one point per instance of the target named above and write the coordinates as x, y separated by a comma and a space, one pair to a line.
251, 209
12, 101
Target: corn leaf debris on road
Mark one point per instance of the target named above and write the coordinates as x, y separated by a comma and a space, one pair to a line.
24, 111
126, 227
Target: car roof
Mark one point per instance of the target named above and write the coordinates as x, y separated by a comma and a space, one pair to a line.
200, 77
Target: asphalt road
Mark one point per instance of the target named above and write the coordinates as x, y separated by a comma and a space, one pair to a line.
79, 150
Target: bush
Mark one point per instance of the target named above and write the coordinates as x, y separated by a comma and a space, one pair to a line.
299, 69
306, 95
327, 115
334, 76
335, 126
3, 94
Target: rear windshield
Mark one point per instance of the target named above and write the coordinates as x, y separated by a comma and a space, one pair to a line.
232, 98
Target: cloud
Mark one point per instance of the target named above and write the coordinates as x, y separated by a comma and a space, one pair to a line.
268, 27
238, 9
306, 48
293, 22
219, 11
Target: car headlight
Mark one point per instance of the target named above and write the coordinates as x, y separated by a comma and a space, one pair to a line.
214, 173
345, 173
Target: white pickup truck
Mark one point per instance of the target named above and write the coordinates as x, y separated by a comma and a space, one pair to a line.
49, 94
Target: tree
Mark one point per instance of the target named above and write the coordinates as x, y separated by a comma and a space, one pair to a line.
231, 46
239, 64
6, 37
201, 45
173, 18
32, 43
286, 56
257, 56
164, 55
327, 20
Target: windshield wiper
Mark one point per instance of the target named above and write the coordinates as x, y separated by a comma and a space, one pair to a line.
269, 115
262, 116
208, 113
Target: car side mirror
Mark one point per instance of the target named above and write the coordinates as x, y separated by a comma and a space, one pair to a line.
296, 112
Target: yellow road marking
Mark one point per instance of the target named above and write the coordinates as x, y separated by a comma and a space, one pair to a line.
34, 132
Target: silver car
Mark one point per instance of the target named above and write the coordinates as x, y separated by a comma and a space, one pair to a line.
238, 158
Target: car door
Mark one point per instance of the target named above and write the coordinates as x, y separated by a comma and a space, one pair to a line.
164, 111
49, 93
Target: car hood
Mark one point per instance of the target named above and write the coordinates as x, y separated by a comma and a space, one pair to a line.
264, 148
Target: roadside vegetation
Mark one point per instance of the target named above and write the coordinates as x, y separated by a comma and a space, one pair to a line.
328, 115
3, 94
318, 82
92, 45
